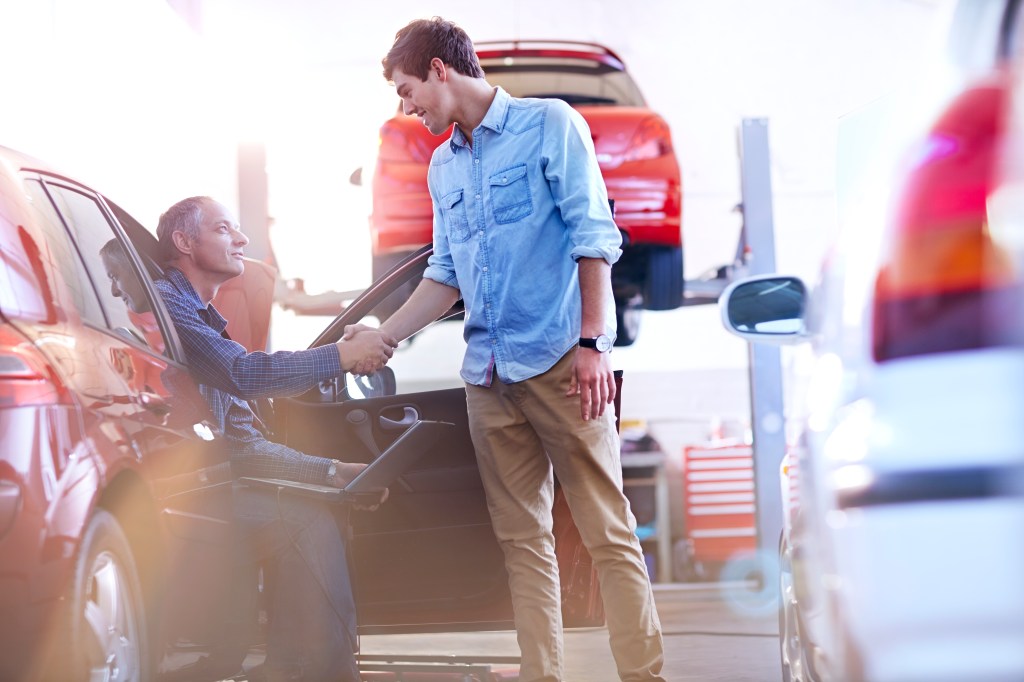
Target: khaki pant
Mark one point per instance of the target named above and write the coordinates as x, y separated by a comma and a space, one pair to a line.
521, 431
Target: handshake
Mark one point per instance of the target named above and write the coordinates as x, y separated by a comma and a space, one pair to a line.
364, 350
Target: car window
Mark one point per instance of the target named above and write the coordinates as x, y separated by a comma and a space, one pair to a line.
129, 310
62, 256
575, 81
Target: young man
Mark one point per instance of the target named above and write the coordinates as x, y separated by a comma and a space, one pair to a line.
313, 630
523, 233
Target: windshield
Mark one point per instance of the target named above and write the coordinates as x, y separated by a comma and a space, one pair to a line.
577, 81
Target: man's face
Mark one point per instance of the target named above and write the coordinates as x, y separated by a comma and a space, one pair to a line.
126, 286
219, 247
424, 99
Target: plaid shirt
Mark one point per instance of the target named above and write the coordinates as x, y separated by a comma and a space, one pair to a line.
229, 376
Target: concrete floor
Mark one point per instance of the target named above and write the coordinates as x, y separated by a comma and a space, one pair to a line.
712, 632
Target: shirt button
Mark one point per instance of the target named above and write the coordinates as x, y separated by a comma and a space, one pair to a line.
480, 233
476, 160
477, 196
494, 341
485, 268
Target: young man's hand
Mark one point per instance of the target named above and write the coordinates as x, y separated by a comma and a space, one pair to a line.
593, 381
365, 350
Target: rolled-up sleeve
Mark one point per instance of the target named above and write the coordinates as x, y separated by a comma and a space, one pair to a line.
440, 265
577, 186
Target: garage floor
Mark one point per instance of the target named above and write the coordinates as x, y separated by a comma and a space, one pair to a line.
711, 633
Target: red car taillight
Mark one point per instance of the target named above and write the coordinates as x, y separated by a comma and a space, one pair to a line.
650, 141
25, 375
945, 284
399, 142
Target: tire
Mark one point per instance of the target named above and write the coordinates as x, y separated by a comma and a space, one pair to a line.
105, 626
629, 307
663, 285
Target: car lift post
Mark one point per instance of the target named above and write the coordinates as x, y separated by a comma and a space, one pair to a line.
757, 242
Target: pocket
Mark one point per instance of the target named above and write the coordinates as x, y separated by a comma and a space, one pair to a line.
453, 208
510, 195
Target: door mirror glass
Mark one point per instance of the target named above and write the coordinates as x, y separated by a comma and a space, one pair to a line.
772, 306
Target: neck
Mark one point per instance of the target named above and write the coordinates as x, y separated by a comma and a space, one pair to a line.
205, 283
477, 95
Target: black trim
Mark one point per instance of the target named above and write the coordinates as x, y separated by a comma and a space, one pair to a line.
936, 486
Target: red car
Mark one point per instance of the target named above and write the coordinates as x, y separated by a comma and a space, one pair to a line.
115, 493
634, 149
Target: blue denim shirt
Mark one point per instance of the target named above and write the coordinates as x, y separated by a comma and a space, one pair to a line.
512, 215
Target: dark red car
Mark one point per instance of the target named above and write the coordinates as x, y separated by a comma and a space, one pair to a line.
115, 493
634, 149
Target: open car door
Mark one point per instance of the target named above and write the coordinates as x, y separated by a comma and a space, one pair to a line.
427, 559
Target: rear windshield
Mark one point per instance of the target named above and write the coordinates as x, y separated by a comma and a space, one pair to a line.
577, 81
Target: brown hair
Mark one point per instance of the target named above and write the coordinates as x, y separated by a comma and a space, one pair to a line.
422, 40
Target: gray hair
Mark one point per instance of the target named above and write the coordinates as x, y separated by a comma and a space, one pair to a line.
185, 216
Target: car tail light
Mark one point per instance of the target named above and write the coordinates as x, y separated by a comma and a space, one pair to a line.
25, 375
650, 141
399, 142
945, 284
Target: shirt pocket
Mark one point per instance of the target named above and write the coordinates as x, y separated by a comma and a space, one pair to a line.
510, 195
453, 208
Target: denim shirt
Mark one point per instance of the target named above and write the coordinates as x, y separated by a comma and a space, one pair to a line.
512, 215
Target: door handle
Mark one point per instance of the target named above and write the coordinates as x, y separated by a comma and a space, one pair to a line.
410, 416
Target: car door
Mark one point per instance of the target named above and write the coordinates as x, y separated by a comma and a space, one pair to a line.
181, 526
427, 559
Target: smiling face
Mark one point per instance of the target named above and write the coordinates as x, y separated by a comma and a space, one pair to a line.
426, 98
219, 246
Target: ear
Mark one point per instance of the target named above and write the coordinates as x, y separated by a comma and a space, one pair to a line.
182, 242
437, 67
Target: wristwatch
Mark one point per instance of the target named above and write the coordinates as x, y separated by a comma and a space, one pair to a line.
332, 471
602, 343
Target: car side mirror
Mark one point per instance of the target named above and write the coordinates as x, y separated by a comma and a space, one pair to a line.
765, 309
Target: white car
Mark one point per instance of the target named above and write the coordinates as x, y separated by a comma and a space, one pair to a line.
902, 557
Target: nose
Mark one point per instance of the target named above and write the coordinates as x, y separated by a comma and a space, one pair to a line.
240, 237
115, 290
407, 108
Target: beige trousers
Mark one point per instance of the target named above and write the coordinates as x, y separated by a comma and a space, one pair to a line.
521, 432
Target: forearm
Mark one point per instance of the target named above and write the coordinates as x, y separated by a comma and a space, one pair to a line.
595, 290
429, 301
272, 460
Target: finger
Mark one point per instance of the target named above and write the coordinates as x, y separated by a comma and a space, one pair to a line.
573, 385
596, 405
585, 401
600, 399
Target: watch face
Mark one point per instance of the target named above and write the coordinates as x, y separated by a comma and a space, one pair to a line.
603, 343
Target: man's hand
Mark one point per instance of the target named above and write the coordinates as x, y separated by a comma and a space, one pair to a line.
365, 350
343, 475
594, 381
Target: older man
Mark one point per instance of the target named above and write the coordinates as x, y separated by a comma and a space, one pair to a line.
313, 630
